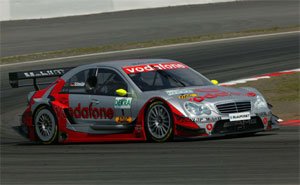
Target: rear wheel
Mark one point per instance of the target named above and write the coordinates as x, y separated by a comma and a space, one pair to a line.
45, 125
159, 122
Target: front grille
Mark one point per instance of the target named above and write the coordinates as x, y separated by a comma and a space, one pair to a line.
234, 107
229, 127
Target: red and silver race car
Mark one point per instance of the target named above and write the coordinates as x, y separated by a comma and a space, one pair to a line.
150, 99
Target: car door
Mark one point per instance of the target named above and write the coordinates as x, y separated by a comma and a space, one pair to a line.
79, 98
109, 108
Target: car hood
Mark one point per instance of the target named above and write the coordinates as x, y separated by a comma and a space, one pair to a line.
211, 94
206, 95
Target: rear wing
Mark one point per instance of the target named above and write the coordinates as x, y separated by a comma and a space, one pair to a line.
15, 77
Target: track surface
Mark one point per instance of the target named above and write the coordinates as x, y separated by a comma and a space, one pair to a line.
32, 36
268, 158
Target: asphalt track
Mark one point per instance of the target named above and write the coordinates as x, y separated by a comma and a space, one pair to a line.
32, 36
267, 158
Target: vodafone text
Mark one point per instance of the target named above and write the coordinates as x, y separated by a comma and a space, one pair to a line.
92, 112
153, 67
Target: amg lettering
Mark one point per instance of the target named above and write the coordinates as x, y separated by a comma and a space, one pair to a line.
44, 73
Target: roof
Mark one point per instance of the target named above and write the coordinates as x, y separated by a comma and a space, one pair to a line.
117, 64
131, 62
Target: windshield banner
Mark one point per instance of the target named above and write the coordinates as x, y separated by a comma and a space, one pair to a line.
153, 67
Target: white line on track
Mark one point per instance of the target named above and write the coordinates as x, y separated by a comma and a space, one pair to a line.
244, 80
154, 47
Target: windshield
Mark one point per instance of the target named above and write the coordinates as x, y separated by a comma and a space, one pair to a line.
157, 79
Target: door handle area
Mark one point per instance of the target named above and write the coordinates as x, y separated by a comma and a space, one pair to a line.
95, 101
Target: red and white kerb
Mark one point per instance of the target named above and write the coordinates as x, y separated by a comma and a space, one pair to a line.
153, 67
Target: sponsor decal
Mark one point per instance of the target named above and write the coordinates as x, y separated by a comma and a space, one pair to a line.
77, 84
205, 119
240, 123
91, 112
239, 116
265, 120
44, 73
209, 126
173, 92
218, 94
123, 119
153, 67
123, 103
59, 112
207, 90
186, 96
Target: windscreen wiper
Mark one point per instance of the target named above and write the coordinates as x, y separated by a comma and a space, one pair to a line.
168, 75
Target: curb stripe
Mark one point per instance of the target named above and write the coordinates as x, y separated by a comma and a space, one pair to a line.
226, 84
291, 121
291, 124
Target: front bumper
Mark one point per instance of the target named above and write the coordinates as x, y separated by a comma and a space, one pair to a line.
223, 126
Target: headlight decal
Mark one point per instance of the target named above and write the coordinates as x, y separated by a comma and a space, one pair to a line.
197, 109
260, 103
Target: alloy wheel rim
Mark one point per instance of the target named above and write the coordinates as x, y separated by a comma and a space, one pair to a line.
45, 125
159, 121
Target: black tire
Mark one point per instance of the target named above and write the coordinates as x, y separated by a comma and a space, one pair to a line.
159, 125
45, 125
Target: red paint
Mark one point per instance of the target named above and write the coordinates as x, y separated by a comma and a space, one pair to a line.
221, 94
185, 122
250, 94
276, 74
27, 116
209, 126
265, 120
207, 90
89, 112
198, 98
153, 67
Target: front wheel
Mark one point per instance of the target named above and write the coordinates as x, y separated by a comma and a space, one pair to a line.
45, 125
159, 122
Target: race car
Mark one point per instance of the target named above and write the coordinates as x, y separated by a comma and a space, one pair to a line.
145, 99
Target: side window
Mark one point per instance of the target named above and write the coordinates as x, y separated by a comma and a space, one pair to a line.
76, 84
108, 81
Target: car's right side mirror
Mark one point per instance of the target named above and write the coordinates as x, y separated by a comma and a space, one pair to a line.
215, 82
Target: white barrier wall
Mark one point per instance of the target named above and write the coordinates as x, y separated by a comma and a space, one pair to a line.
36, 9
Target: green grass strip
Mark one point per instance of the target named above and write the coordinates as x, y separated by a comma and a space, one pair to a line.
134, 45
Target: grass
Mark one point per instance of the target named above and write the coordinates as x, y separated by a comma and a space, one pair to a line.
134, 45
282, 92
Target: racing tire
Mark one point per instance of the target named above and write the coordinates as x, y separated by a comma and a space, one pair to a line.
45, 126
159, 125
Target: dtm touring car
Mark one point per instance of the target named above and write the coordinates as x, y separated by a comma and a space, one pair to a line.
145, 99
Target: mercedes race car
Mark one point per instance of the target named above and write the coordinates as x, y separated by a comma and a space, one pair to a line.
144, 99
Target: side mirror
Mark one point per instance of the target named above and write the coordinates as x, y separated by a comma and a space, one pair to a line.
91, 83
121, 92
215, 82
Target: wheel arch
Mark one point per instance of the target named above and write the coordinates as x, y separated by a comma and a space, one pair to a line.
39, 106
